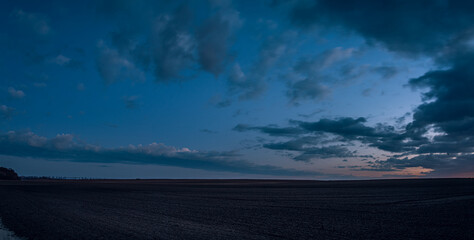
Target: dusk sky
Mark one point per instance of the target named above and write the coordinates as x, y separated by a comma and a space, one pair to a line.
237, 89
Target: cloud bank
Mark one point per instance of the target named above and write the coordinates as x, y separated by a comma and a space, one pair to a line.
65, 147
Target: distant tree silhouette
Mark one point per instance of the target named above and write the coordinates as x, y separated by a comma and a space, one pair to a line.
8, 174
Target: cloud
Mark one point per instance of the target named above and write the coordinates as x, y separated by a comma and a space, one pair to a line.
313, 65
308, 88
131, 102
311, 114
16, 93
271, 130
386, 72
114, 67
324, 152
151, 40
247, 87
61, 60
64, 61
440, 136
445, 121
311, 135
366, 92
208, 131
66, 147
217, 101
401, 27
346, 127
444, 164
450, 90
307, 146
312, 148
214, 38
6, 112
382, 136
37, 23
440, 154
252, 84
297, 144
307, 81
172, 45
449, 105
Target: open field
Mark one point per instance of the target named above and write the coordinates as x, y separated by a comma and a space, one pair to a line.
239, 209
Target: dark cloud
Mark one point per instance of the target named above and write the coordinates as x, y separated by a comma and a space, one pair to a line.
298, 144
65, 147
271, 130
348, 127
172, 45
312, 138
444, 122
451, 91
307, 80
444, 164
214, 38
446, 153
448, 109
309, 148
253, 83
381, 136
208, 131
406, 27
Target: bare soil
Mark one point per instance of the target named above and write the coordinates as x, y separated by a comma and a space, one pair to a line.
239, 209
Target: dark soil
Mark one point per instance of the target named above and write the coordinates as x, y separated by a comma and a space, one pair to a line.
239, 209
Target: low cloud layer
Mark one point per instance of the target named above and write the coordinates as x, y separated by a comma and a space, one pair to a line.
410, 147
65, 147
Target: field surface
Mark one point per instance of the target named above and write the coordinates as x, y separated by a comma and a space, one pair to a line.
239, 209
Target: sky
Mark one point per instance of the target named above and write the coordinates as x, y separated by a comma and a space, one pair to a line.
296, 89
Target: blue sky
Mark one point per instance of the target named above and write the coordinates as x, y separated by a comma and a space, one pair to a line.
243, 89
